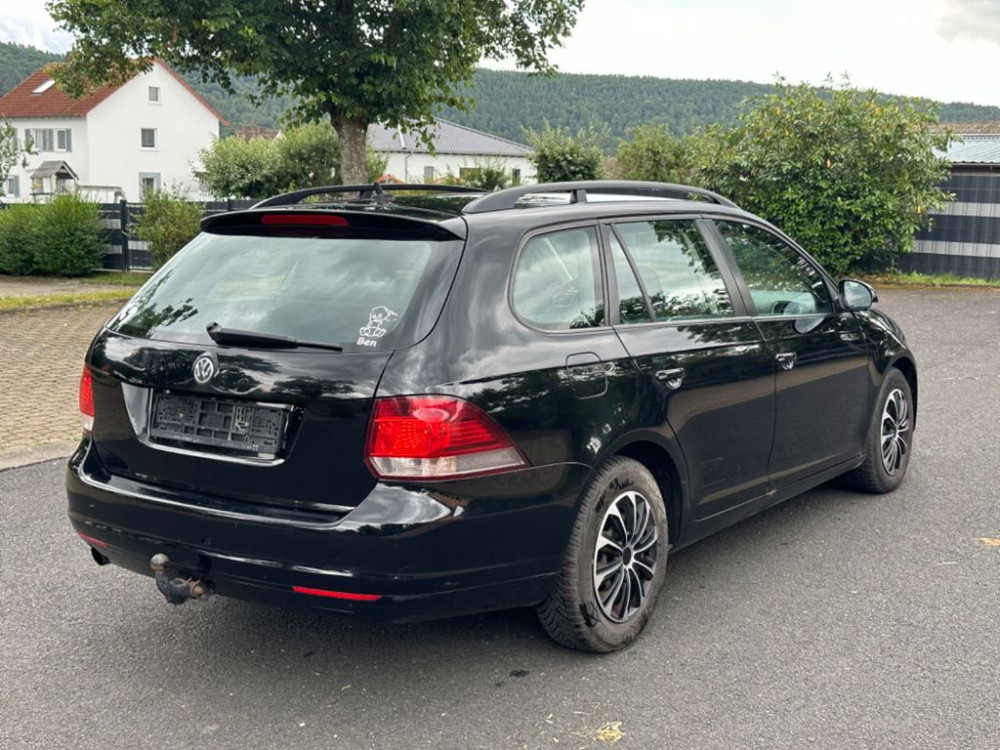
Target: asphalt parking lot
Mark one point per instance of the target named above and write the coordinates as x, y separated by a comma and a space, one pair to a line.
836, 620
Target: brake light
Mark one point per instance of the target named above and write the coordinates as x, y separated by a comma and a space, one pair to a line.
436, 437
86, 400
323, 220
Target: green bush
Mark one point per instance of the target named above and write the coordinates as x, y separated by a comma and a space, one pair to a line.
653, 154
561, 156
59, 238
19, 234
68, 237
168, 223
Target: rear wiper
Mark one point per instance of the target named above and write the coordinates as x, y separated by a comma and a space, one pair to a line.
237, 337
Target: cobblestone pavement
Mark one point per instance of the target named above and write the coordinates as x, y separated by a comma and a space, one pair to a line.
42, 354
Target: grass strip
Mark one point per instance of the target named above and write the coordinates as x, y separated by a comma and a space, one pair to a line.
63, 299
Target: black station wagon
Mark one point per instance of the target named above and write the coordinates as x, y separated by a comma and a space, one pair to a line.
422, 403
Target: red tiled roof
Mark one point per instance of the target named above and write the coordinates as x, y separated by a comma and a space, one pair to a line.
20, 101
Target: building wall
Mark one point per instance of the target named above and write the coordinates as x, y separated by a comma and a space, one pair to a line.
410, 167
965, 236
182, 123
76, 157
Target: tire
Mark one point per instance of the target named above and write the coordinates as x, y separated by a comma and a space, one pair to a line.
583, 611
891, 428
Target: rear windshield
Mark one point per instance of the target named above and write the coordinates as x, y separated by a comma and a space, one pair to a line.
362, 294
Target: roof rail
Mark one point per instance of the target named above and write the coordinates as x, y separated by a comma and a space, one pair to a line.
505, 199
365, 192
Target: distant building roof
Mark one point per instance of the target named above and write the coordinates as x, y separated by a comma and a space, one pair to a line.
449, 138
246, 132
990, 127
976, 149
35, 96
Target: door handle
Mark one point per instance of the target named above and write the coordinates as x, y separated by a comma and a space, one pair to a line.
671, 378
786, 360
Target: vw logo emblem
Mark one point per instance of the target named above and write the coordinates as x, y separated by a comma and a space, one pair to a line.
204, 368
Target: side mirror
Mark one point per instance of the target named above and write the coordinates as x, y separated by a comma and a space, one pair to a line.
857, 295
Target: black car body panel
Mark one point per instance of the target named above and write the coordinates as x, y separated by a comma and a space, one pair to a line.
705, 403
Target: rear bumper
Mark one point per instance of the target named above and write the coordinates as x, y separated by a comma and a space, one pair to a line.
425, 552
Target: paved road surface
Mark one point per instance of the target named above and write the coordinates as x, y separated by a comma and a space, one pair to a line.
834, 621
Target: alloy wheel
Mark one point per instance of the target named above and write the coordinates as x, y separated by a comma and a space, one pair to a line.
895, 431
625, 556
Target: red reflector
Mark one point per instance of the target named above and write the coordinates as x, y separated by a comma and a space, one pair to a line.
325, 220
337, 594
92, 541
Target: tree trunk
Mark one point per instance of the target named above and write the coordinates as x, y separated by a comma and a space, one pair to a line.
352, 135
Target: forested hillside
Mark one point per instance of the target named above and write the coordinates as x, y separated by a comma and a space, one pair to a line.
508, 102
17, 62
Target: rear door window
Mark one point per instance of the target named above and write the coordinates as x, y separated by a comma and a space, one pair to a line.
359, 293
678, 274
557, 282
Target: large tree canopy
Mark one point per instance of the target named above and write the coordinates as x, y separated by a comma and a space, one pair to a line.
354, 61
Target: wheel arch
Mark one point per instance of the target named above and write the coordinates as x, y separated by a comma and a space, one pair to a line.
908, 367
658, 461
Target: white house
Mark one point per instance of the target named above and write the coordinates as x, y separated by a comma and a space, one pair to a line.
118, 141
458, 151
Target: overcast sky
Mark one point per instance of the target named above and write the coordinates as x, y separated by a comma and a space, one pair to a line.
942, 49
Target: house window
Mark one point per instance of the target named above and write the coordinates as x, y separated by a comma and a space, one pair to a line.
39, 139
64, 139
515, 176
44, 87
149, 182
428, 174
13, 187
148, 138
154, 94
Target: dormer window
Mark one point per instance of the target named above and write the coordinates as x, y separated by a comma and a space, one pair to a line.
154, 94
44, 87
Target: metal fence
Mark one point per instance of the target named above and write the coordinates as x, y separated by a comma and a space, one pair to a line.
123, 250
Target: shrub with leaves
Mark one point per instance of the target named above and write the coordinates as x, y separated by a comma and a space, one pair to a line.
19, 235
169, 221
68, 237
559, 155
847, 173
652, 153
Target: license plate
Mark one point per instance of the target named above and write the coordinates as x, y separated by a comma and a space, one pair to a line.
247, 428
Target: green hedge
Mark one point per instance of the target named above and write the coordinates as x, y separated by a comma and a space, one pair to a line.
59, 238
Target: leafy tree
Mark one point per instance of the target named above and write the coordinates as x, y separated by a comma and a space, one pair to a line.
560, 155
653, 154
9, 150
168, 222
354, 61
849, 174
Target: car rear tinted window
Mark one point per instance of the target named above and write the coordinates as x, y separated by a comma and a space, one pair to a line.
363, 294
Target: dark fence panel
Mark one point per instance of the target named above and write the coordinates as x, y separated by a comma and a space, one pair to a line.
123, 250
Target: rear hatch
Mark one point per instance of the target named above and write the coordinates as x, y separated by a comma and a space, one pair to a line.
246, 367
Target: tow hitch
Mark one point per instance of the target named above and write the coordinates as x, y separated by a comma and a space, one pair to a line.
177, 590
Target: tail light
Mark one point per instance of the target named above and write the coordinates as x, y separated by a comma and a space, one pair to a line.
86, 400
436, 437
